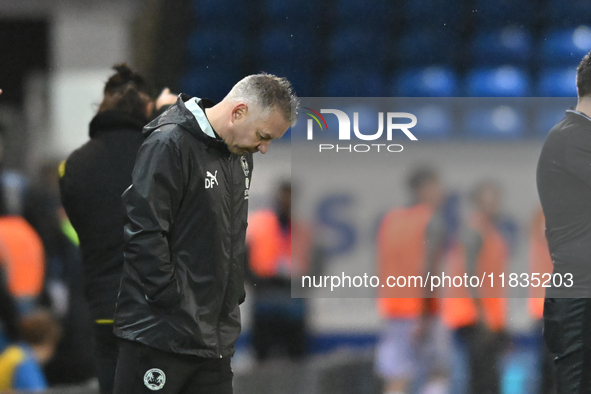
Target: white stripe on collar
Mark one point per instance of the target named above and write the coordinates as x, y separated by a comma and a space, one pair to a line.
574, 111
193, 106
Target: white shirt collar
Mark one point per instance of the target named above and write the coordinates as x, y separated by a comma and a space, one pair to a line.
193, 106
574, 111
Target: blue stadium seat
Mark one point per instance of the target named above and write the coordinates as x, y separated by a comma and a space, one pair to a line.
214, 47
423, 46
292, 13
356, 47
565, 47
354, 83
209, 83
571, 13
425, 82
558, 82
370, 14
508, 45
435, 119
495, 121
505, 81
211, 13
430, 12
494, 13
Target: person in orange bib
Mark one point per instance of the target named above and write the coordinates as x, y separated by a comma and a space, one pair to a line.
277, 247
23, 257
410, 243
477, 315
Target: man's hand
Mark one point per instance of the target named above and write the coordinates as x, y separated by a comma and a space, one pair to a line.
165, 98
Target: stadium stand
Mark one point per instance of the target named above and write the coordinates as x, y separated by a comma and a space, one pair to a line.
210, 83
558, 82
354, 82
437, 119
565, 47
296, 13
504, 81
235, 13
425, 46
494, 13
344, 48
559, 13
433, 81
357, 47
495, 120
508, 45
376, 13
432, 12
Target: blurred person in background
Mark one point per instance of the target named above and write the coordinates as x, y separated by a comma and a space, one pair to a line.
92, 180
178, 308
276, 246
63, 293
20, 363
564, 187
21, 273
21, 251
9, 314
412, 346
14, 186
477, 315
540, 263
23, 259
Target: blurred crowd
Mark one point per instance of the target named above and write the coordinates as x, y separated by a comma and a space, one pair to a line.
454, 339
44, 316
429, 343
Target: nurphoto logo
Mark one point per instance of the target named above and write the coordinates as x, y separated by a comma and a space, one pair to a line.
392, 124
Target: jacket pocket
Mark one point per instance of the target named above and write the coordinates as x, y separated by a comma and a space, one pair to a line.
168, 298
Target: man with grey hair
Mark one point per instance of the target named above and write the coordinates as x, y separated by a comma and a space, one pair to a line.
178, 313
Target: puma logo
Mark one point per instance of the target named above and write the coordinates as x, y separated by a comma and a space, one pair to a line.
211, 180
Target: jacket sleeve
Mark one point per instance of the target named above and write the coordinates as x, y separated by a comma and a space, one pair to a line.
151, 203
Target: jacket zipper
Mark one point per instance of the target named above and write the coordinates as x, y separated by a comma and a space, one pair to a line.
219, 337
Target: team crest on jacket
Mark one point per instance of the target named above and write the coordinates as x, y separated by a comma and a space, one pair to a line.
154, 379
244, 165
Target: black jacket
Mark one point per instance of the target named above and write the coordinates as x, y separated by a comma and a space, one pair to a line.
95, 176
184, 240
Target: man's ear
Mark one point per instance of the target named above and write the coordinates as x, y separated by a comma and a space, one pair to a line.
239, 112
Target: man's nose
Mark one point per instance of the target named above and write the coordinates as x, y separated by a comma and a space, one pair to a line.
263, 146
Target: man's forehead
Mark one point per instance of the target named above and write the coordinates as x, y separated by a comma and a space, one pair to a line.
275, 124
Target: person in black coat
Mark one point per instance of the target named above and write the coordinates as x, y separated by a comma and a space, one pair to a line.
92, 180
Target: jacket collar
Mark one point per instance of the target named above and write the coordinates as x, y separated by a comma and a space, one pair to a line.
179, 114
